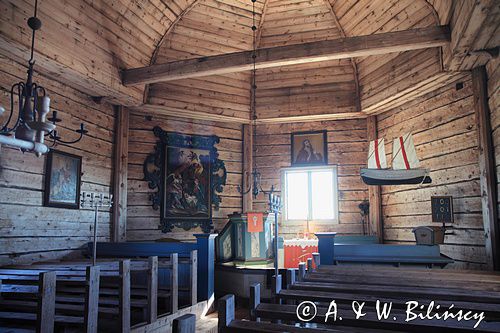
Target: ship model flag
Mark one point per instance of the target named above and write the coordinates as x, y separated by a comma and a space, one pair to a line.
405, 164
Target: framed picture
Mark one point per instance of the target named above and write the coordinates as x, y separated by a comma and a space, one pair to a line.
309, 148
189, 176
62, 180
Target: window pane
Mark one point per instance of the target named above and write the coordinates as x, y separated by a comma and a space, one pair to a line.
296, 203
322, 195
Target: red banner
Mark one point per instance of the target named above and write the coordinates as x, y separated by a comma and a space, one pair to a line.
255, 222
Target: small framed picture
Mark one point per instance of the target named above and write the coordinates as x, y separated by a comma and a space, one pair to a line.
62, 180
309, 148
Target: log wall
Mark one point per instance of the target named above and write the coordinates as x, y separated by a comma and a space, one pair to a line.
29, 231
444, 130
142, 220
347, 148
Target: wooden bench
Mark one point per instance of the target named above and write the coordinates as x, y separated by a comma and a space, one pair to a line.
466, 291
32, 298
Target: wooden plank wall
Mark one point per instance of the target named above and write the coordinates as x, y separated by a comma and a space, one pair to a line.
347, 148
382, 76
29, 231
493, 72
444, 131
142, 220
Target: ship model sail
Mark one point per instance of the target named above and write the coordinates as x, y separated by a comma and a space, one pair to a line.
405, 164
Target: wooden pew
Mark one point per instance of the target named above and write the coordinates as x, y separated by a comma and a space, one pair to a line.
228, 323
38, 303
467, 291
117, 293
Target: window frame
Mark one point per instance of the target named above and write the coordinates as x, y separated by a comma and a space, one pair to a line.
309, 169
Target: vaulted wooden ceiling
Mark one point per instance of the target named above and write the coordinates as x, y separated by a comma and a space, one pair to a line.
86, 44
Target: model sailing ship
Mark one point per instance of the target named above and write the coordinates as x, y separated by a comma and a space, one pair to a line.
405, 164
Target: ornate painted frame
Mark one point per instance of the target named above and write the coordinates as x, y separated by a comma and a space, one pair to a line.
155, 172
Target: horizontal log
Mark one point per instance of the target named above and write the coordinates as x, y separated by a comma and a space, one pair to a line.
290, 55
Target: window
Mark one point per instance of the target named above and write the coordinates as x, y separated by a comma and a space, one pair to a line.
310, 194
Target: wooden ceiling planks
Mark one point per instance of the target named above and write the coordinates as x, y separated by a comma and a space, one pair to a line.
226, 29
379, 75
86, 43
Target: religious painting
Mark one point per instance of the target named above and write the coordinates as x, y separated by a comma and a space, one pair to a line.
188, 175
187, 182
62, 180
309, 148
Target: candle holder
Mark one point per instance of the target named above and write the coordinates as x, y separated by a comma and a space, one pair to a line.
95, 201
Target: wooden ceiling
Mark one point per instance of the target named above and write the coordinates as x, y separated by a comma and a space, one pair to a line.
87, 43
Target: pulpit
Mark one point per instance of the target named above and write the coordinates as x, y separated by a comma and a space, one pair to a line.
236, 242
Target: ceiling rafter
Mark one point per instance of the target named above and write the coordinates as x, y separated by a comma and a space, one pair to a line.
162, 40
261, 23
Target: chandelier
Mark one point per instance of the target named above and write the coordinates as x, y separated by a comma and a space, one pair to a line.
32, 125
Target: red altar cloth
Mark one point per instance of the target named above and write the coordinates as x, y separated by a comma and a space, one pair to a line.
299, 250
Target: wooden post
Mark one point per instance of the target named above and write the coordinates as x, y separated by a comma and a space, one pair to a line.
247, 166
125, 296
193, 272
46, 309
326, 247
184, 324
152, 309
226, 311
174, 283
120, 175
254, 300
290, 277
302, 271
206, 258
309, 265
290, 281
316, 259
376, 223
276, 289
91, 299
487, 169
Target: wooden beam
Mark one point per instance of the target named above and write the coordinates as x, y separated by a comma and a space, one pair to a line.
314, 117
374, 192
486, 168
359, 46
197, 115
120, 175
247, 167
182, 113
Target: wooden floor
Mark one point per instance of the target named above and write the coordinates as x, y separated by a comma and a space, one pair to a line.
472, 292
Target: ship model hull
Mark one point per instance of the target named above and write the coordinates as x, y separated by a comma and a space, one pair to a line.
395, 177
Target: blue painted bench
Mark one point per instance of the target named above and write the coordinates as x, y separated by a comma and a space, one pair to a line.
331, 253
206, 257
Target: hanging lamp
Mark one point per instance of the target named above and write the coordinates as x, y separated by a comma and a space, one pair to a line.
31, 125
